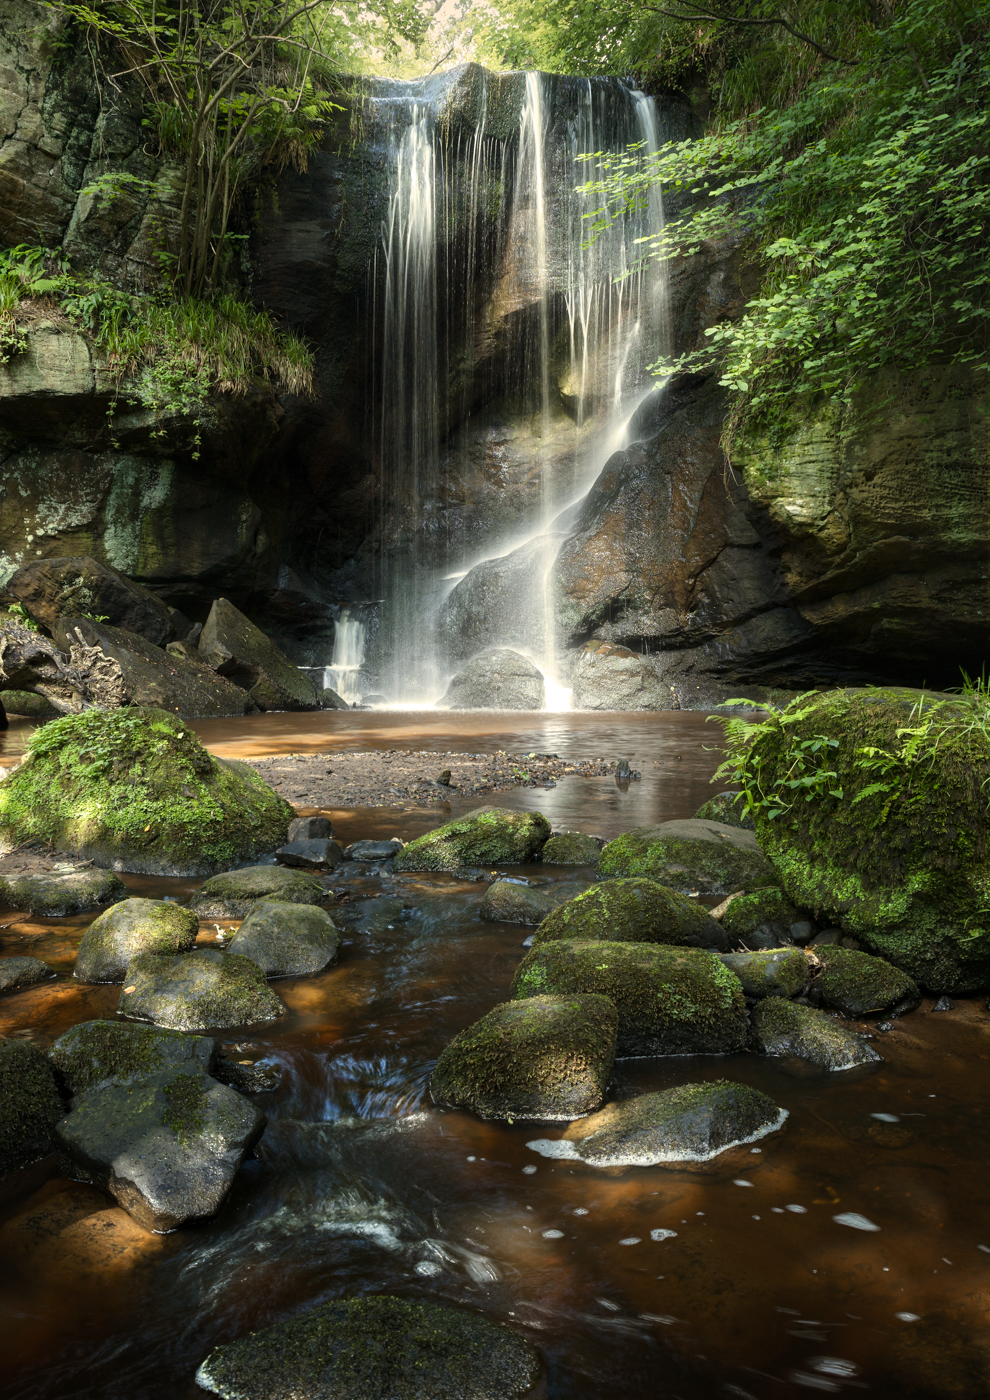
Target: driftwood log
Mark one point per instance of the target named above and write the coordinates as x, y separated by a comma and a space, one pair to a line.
85, 679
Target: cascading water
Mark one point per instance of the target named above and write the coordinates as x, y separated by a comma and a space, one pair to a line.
344, 674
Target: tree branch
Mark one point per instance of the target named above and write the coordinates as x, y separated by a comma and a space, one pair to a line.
697, 13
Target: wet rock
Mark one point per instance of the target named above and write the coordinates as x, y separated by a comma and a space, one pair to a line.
486, 836
198, 991
133, 926
235, 893
546, 1058
690, 856
801, 933
167, 1148
135, 790
311, 829
760, 920
376, 1346
509, 902
783, 973
857, 984
671, 1001
570, 848
373, 850
634, 911
727, 808
259, 1077
610, 677
98, 1055
287, 940
235, 648
692, 1123
30, 1106
944, 1004
51, 589
368, 915
316, 853
496, 680
784, 1029
54, 896
16, 973
327, 698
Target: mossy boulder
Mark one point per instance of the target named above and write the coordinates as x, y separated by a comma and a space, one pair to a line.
16, 973
691, 1123
570, 848
204, 990
509, 902
393, 1348
545, 1058
97, 1055
235, 893
857, 984
30, 1106
133, 926
783, 972
135, 790
727, 808
786, 1030
762, 919
671, 1001
691, 856
901, 860
486, 836
287, 940
54, 896
633, 911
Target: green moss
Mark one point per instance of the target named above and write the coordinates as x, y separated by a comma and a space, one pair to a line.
133, 926
751, 911
725, 807
198, 991
30, 1106
488, 836
783, 1028
856, 984
777, 972
632, 911
186, 1112
689, 857
136, 790
101, 1052
56, 896
570, 848
236, 892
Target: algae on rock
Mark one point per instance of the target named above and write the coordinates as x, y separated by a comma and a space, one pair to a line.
133, 926
690, 856
30, 1105
486, 836
633, 911
204, 990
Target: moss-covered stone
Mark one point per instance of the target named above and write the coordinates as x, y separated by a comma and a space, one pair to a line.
690, 856
16, 973
508, 902
571, 848
671, 1001
727, 808
691, 1123
198, 991
133, 926
135, 790
375, 1347
633, 911
29, 705
760, 920
30, 1106
545, 1058
53, 896
857, 984
780, 973
235, 893
97, 1055
903, 867
786, 1030
486, 836
287, 940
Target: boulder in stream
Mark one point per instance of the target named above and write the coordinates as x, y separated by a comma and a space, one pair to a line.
235, 893
51, 895
633, 911
486, 836
857, 983
611, 677
30, 1106
693, 1123
167, 1148
204, 990
511, 902
499, 679
571, 848
135, 790
781, 972
315, 853
235, 648
546, 1058
287, 940
97, 1055
376, 1346
690, 856
371, 851
788, 1031
16, 973
133, 926
762, 919
671, 1001
376, 915
311, 829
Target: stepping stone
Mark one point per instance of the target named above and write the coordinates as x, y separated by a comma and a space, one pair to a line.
485, 837
780, 973
287, 940
55, 896
571, 848
133, 926
510, 902
235, 893
634, 911
704, 856
784, 1029
16, 973
373, 850
310, 829
204, 990
857, 983
97, 1055
314, 853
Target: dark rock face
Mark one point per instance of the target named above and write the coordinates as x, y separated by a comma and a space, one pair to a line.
198, 991
633, 911
545, 1058
30, 1106
373, 850
133, 926
610, 677
51, 589
770, 974
488, 835
55, 896
234, 894
857, 984
16, 973
496, 680
167, 1148
690, 856
310, 829
762, 919
234, 647
314, 854
97, 1055
509, 902
287, 940
786, 1030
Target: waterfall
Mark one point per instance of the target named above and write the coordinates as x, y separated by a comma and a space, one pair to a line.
344, 672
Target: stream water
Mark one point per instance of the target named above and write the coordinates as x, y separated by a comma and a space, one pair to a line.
646, 1282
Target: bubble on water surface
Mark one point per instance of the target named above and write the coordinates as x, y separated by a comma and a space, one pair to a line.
833, 1366
798, 1210
739, 1182
583, 1210
553, 1234
908, 1317
529, 1170
663, 1234
854, 1221
886, 1117
632, 1239
551, 1147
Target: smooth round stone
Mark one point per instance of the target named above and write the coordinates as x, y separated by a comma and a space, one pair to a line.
788, 1031
204, 990
55, 896
16, 973
133, 926
509, 902
287, 940
570, 848
235, 893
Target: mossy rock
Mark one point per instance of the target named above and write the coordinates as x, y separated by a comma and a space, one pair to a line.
30, 1106
546, 1058
570, 848
783, 972
633, 911
287, 940
760, 920
27, 704
133, 926
786, 1030
135, 790
235, 893
857, 984
52, 896
393, 1348
486, 836
690, 856
96, 1055
903, 867
17, 973
205, 990
671, 1001
508, 902
727, 808
693, 1123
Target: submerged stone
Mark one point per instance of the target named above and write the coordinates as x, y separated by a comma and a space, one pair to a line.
508, 902
235, 893
381, 1347
16, 973
373, 850
725, 808
369, 915
857, 984
784, 1029
571, 848
287, 940
762, 919
486, 836
204, 990
783, 972
542, 1058
670, 1001
633, 911
704, 856
97, 1055
133, 926
54, 896
691, 1123
30, 1106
